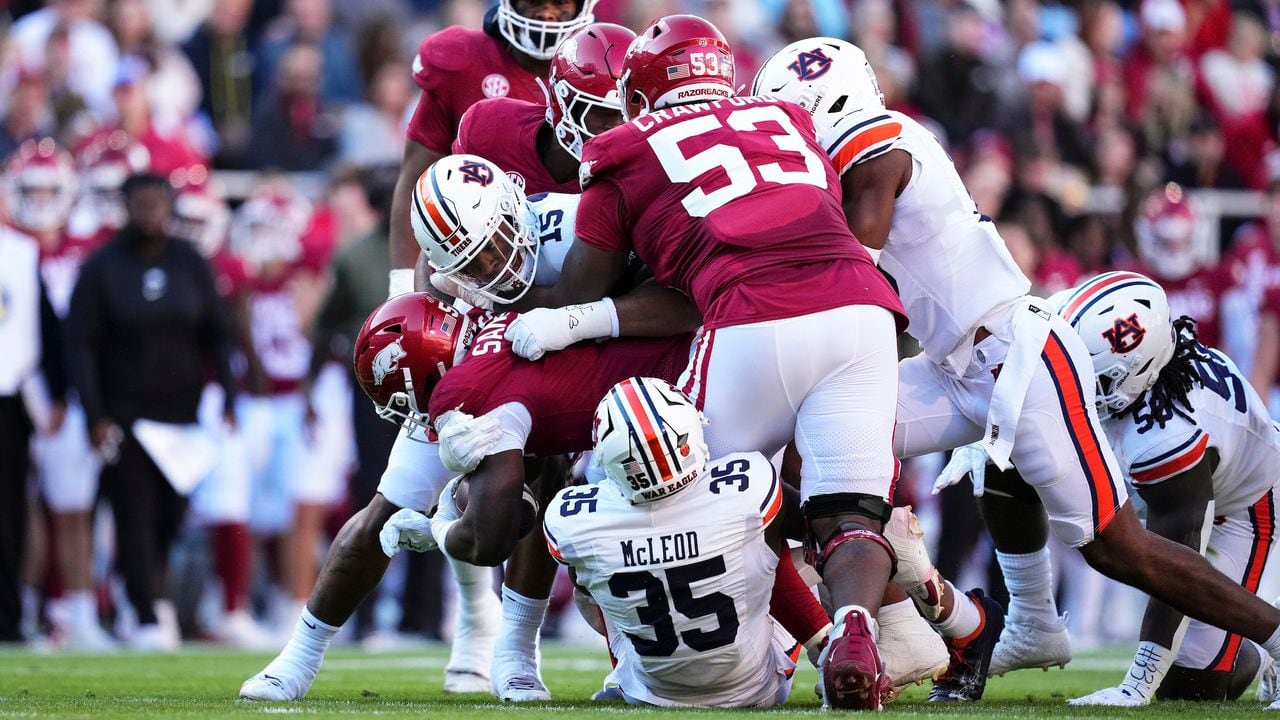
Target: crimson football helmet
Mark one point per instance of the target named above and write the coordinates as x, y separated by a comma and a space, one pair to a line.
1166, 231
201, 217
403, 350
39, 186
103, 165
539, 38
584, 77
677, 59
267, 229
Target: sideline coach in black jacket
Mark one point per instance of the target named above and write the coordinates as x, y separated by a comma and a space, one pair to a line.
146, 329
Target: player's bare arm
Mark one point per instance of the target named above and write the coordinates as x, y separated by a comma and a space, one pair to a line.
870, 189
588, 275
490, 522
1175, 510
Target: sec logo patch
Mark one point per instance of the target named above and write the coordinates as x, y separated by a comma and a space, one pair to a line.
495, 85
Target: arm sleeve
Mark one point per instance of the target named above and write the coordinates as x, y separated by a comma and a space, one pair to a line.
53, 356
83, 332
516, 425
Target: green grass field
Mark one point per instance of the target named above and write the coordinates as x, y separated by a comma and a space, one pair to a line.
202, 683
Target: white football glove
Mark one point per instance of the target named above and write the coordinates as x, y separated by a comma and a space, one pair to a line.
1150, 664
965, 460
538, 332
466, 440
406, 529
452, 288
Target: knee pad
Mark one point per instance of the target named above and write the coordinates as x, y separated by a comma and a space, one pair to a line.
822, 506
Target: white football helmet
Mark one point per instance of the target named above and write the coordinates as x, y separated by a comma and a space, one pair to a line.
1123, 318
475, 227
267, 229
828, 77
201, 217
647, 438
539, 38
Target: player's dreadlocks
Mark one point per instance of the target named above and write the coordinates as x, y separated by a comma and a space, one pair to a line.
1168, 396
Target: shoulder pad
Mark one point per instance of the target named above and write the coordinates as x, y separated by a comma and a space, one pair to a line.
450, 49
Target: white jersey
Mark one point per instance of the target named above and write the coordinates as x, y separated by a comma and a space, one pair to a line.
684, 583
556, 215
952, 269
1228, 416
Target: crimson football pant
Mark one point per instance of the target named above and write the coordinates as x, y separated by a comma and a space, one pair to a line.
148, 514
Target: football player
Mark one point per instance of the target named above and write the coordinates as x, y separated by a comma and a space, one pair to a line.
993, 358
40, 189
730, 201
540, 145
456, 68
678, 551
1165, 230
1188, 429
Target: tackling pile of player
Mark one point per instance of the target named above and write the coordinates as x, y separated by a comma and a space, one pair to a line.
757, 223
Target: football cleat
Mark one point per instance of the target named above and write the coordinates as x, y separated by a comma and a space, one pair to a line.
1268, 687
277, 684
1031, 643
912, 650
471, 652
966, 675
518, 681
853, 674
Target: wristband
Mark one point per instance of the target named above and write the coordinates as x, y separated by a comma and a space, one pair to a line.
400, 282
439, 531
592, 321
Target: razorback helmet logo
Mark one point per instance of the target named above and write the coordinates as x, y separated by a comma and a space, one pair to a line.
811, 64
1125, 334
476, 172
387, 361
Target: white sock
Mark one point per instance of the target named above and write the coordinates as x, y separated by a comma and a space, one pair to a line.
30, 623
306, 647
964, 619
475, 588
896, 611
1272, 645
521, 625
1029, 578
82, 609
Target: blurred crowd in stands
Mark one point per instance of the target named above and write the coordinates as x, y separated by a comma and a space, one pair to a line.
1091, 131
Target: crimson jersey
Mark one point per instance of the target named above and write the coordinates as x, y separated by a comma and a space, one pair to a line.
561, 390
60, 265
1198, 295
456, 68
504, 131
734, 203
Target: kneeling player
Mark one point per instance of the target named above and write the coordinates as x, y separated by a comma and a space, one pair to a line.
679, 551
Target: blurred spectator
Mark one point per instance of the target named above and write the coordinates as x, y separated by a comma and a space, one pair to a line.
1200, 161
1041, 126
90, 50
1158, 74
292, 127
875, 31
28, 114
170, 148
1102, 31
220, 54
372, 132
175, 20
800, 19
171, 85
29, 334
145, 322
1115, 155
379, 41
1237, 80
957, 86
310, 22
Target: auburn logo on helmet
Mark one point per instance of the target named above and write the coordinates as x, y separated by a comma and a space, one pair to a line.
476, 172
1126, 334
811, 65
387, 361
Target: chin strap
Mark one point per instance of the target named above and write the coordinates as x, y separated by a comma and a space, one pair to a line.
818, 558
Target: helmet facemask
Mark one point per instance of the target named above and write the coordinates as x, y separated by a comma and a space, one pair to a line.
573, 129
539, 38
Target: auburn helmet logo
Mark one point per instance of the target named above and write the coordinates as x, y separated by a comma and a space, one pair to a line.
811, 65
475, 172
1126, 334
